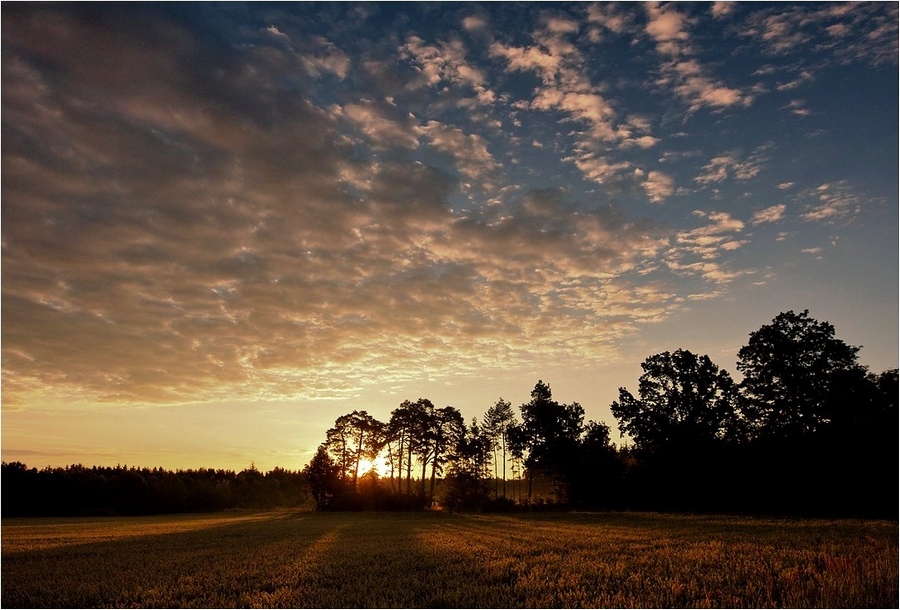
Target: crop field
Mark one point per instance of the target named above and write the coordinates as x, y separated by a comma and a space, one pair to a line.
359, 560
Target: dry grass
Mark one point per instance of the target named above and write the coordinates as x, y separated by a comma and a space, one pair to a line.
439, 560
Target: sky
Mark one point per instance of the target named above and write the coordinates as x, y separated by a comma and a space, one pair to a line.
225, 225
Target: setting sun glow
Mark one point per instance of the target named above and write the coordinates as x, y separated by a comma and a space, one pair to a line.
379, 465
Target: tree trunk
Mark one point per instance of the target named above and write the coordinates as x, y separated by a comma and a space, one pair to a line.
503, 439
433, 472
400, 464
409, 469
359, 444
424, 466
496, 477
391, 462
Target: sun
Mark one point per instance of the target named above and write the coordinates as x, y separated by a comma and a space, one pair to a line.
377, 465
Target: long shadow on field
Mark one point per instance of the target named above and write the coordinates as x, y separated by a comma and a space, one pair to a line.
225, 564
318, 560
420, 560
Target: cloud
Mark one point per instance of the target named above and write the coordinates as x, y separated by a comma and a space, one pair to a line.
700, 90
680, 71
474, 22
238, 241
528, 59
803, 78
698, 251
607, 17
731, 165
720, 10
327, 58
770, 214
667, 27
833, 202
599, 168
445, 62
567, 88
561, 67
287, 206
798, 108
382, 124
715, 171
659, 186
469, 151
840, 33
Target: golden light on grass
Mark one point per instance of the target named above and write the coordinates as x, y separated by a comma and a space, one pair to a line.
360, 560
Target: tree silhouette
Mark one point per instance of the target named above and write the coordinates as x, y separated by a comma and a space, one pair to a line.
338, 444
469, 460
497, 421
595, 481
548, 435
324, 477
792, 368
682, 425
447, 433
354, 437
401, 429
422, 439
684, 398
472, 452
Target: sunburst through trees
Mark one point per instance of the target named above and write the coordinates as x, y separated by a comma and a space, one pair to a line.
697, 440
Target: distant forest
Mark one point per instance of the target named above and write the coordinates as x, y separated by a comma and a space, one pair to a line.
808, 431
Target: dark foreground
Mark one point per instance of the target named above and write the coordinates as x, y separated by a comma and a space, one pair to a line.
286, 559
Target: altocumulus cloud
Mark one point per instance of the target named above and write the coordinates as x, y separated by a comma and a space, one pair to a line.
181, 223
205, 202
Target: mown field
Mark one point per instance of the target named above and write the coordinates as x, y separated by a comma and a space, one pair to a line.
289, 559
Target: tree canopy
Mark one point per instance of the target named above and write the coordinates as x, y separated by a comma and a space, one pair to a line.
792, 369
683, 398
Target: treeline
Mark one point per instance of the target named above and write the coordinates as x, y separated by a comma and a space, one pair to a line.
808, 431
79, 490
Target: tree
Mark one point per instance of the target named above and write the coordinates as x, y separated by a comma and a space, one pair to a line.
400, 430
792, 369
448, 430
354, 437
337, 444
497, 421
595, 481
469, 461
422, 430
809, 404
684, 399
548, 435
421, 439
888, 382
472, 451
685, 425
324, 478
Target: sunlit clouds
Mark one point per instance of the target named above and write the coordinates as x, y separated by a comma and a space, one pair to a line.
770, 214
289, 202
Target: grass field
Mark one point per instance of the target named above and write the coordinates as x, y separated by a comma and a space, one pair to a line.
288, 559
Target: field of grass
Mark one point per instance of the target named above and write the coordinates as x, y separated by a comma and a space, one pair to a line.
289, 559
